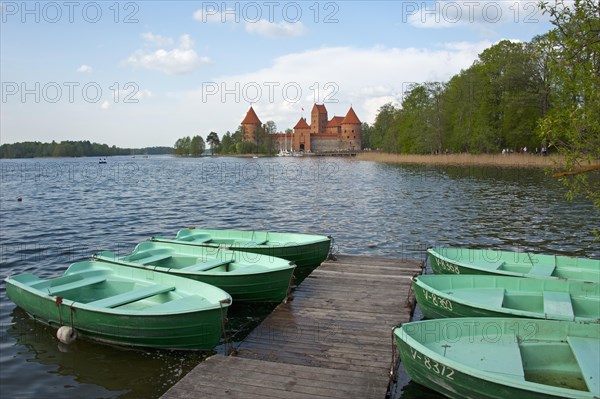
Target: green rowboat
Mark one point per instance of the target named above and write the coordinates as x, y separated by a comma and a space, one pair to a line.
307, 251
245, 276
125, 305
448, 295
517, 264
502, 357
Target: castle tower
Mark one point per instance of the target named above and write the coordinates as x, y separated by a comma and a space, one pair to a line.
249, 125
302, 136
318, 117
351, 131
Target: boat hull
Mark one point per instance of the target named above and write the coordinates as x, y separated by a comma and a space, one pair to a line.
435, 306
515, 264
195, 330
307, 257
246, 277
306, 251
439, 296
265, 287
123, 305
462, 384
422, 346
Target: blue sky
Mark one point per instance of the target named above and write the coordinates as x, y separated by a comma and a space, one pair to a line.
144, 73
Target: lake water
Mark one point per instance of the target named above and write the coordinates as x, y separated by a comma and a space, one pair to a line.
72, 208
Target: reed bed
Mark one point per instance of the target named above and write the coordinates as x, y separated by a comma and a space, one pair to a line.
507, 160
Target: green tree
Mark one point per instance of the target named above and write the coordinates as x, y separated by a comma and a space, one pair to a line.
196, 146
213, 140
572, 125
366, 135
383, 134
270, 127
421, 119
227, 144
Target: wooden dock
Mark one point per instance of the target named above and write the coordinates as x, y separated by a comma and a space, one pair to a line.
333, 340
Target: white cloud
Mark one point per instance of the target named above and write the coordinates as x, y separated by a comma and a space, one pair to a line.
371, 106
157, 40
275, 29
176, 61
262, 27
105, 105
367, 78
127, 95
85, 68
449, 14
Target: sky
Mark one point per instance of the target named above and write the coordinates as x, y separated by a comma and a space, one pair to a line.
145, 73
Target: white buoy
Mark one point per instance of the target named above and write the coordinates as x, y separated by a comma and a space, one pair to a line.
66, 335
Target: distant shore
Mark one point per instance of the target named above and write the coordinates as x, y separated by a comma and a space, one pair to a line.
505, 160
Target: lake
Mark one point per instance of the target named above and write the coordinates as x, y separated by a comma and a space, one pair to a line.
72, 208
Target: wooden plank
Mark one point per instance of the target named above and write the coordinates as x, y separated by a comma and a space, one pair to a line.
333, 340
271, 380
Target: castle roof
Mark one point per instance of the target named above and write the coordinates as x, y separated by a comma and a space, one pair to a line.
302, 124
351, 118
320, 108
335, 121
251, 118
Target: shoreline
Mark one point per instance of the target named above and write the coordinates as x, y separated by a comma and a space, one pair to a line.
504, 160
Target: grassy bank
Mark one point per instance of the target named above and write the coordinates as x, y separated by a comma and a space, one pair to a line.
508, 160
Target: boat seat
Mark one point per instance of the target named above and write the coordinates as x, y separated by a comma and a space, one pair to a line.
198, 238
76, 284
541, 270
586, 353
503, 357
153, 258
558, 304
189, 302
489, 265
492, 297
131, 296
205, 266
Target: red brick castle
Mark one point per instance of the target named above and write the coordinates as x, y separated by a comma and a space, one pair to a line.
341, 133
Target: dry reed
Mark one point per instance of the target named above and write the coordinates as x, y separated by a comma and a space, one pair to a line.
508, 160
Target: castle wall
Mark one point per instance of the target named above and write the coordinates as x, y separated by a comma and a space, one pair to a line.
302, 141
329, 143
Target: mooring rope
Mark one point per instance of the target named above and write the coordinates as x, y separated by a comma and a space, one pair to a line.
223, 321
288, 296
72, 310
394, 364
57, 302
330, 255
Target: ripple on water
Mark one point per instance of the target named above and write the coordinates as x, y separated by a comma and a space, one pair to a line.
369, 208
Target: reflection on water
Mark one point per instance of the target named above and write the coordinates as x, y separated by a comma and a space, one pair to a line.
88, 369
73, 208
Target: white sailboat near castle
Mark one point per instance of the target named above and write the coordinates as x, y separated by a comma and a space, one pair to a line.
283, 152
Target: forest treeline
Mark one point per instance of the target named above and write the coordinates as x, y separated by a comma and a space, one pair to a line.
515, 95
230, 143
32, 149
495, 104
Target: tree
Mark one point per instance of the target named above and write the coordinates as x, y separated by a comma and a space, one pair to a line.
213, 140
227, 144
383, 134
196, 146
265, 144
270, 127
572, 126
